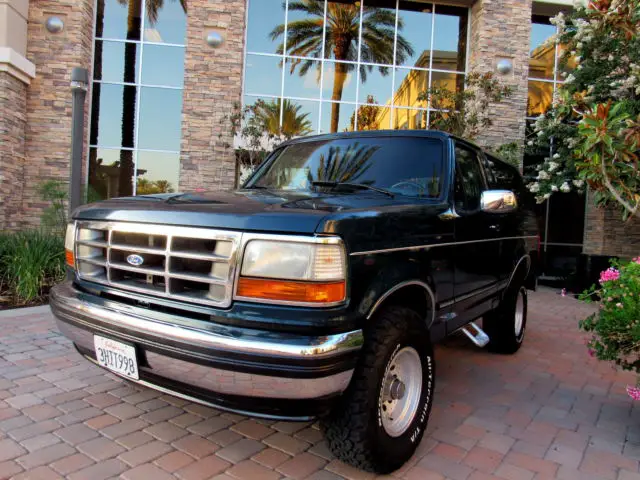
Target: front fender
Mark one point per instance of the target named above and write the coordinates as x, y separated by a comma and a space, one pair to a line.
383, 282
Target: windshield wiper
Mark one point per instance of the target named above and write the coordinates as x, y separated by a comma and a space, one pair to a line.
363, 186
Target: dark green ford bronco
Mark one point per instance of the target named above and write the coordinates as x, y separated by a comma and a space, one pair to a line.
315, 291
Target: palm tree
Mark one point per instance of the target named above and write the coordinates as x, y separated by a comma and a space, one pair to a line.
164, 186
294, 123
304, 39
343, 165
134, 20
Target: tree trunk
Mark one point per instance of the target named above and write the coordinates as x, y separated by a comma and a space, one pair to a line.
340, 75
94, 179
125, 180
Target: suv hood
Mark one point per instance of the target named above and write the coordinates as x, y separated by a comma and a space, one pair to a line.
251, 210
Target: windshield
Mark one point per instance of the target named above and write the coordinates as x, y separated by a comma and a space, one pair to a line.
403, 165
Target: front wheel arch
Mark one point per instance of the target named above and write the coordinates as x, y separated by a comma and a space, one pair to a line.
413, 294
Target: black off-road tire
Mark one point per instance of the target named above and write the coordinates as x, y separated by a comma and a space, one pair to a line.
354, 430
500, 324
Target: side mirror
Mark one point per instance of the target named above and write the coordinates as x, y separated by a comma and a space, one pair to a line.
498, 201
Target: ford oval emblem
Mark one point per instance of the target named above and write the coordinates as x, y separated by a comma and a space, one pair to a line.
135, 260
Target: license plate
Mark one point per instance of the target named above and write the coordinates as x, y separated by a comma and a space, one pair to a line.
116, 356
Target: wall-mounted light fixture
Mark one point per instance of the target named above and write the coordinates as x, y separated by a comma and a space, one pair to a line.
504, 66
54, 24
214, 39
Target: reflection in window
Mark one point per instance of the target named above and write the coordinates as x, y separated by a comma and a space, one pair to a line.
329, 92
540, 98
120, 19
132, 118
163, 66
263, 17
105, 172
166, 22
112, 54
157, 172
344, 53
160, 119
409, 119
378, 85
545, 76
566, 65
409, 166
370, 117
341, 111
263, 75
543, 51
285, 118
302, 78
409, 85
450, 39
416, 21
449, 82
112, 125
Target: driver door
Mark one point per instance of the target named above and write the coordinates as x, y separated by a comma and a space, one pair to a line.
477, 248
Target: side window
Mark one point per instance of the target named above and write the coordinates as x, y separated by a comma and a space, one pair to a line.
469, 183
505, 177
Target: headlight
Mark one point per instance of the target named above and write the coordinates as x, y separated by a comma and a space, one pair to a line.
293, 272
69, 241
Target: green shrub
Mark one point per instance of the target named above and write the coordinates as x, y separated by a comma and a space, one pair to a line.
54, 216
30, 263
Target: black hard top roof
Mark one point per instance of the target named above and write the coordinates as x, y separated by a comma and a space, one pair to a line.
377, 133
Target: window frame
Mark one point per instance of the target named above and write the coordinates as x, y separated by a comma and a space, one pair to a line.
139, 85
479, 161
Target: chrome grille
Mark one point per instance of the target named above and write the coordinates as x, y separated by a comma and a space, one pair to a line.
182, 263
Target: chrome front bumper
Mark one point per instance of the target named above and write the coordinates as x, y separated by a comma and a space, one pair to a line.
261, 373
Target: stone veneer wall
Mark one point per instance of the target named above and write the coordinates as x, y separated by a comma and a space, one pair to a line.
501, 29
13, 118
606, 234
48, 129
212, 85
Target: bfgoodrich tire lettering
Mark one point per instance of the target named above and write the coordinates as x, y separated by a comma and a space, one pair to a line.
355, 430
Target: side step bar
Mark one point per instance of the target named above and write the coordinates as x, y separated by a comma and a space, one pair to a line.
475, 334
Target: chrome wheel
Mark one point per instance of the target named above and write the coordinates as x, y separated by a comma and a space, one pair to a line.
519, 314
401, 390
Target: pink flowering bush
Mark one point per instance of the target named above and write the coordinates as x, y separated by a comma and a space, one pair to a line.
615, 327
609, 275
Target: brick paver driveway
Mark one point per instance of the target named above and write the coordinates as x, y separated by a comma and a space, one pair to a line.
548, 412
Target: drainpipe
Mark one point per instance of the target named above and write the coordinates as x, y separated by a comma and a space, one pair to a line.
79, 85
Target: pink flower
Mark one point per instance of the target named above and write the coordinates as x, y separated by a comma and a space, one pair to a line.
633, 392
609, 299
619, 305
637, 259
591, 352
609, 275
563, 292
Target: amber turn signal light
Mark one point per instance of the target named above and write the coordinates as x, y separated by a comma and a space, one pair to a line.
68, 257
281, 290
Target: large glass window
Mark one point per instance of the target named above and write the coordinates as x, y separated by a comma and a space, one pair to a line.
353, 65
138, 72
561, 217
544, 72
